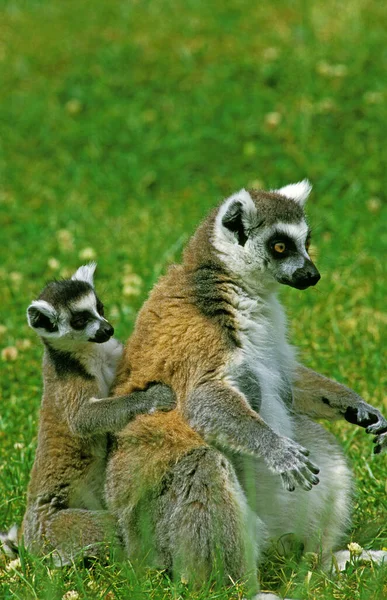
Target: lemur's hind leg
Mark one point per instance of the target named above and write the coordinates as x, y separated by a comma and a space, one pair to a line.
206, 524
327, 508
195, 523
71, 534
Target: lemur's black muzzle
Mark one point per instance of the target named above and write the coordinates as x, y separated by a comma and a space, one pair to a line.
103, 334
305, 277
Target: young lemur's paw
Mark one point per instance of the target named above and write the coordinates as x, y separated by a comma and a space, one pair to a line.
162, 398
290, 460
371, 418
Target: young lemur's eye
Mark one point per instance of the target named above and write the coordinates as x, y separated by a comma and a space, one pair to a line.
279, 247
80, 320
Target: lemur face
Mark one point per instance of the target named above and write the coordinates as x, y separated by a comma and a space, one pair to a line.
70, 310
263, 236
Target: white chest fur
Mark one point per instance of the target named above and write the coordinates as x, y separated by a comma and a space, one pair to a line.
268, 357
102, 362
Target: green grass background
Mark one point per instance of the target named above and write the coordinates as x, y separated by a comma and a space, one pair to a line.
122, 123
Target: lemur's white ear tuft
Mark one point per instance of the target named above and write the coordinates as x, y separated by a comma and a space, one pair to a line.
297, 191
235, 217
85, 273
42, 315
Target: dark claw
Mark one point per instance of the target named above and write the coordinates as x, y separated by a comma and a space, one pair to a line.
313, 468
287, 482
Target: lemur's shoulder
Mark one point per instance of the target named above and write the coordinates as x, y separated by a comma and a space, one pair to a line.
179, 325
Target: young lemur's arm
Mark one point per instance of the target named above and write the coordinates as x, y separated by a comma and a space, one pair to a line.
220, 413
323, 398
90, 416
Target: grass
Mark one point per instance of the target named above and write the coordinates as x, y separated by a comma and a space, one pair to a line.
122, 123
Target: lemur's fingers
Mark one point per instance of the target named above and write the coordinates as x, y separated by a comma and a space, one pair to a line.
287, 482
302, 479
380, 443
312, 467
379, 427
309, 476
299, 477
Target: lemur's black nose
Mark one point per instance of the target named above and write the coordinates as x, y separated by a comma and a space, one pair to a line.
107, 329
305, 277
313, 279
104, 333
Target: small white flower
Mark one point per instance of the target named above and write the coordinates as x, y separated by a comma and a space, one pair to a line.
13, 565
65, 239
374, 205
355, 548
53, 263
273, 119
23, 344
9, 353
130, 290
87, 254
15, 277
131, 282
71, 595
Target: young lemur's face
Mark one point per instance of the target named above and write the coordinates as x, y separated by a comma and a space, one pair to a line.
263, 237
70, 311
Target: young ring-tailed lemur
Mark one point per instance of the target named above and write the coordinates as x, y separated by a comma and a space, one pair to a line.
65, 509
210, 474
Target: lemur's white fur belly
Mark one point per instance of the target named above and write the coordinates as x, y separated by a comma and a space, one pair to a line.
318, 517
264, 349
269, 357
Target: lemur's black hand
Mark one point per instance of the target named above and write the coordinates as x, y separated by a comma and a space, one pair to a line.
371, 418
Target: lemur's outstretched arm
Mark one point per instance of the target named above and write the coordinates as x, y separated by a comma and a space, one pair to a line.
220, 413
102, 415
323, 398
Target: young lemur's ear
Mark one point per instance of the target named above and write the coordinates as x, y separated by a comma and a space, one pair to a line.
42, 315
296, 191
85, 273
237, 216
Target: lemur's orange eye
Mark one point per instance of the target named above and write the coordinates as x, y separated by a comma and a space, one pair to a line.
280, 247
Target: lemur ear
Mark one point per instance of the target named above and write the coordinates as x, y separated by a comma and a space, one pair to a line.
42, 315
85, 273
296, 191
236, 215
